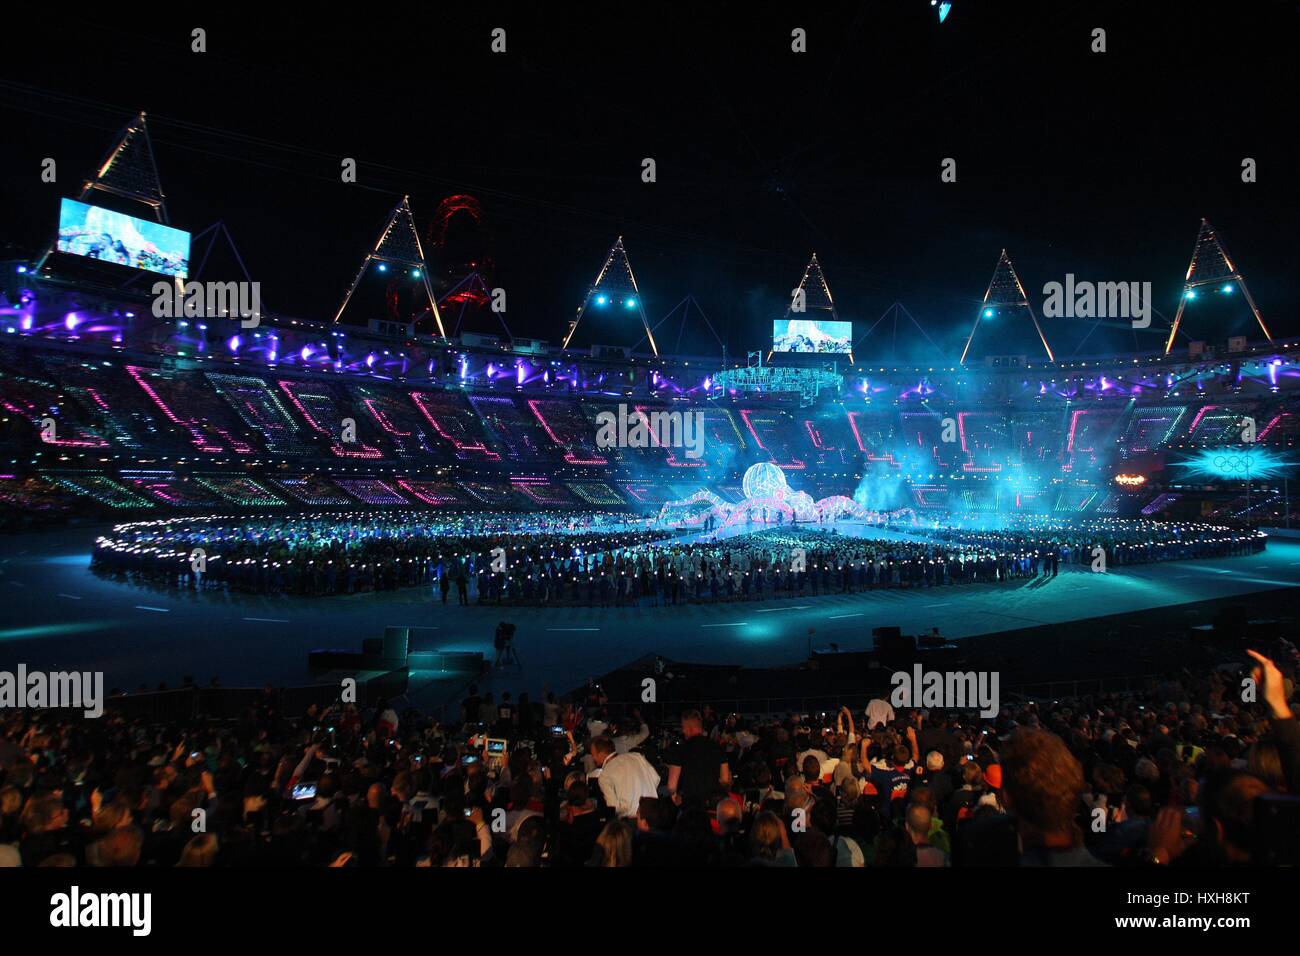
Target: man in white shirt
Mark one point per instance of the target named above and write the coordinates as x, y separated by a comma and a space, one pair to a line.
624, 778
879, 713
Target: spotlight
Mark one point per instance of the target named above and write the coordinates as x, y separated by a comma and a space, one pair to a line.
1227, 288
630, 302
383, 267
989, 313
601, 300
1191, 293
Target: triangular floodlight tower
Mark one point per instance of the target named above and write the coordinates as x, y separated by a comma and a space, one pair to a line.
399, 244
1211, 265
816, 294
129, 171
1005, 291
614, 285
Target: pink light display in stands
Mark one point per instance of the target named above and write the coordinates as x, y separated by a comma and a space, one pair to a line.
970, 465
479, 448
372, 491
431, 492
201, 441
542, 491
569, 456
673, 460
336, 446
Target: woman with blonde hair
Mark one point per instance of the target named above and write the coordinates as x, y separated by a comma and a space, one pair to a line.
200, 851
615, 844
769, 844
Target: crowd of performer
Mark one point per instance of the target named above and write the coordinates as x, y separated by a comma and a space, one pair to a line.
334, 553
610, 559
1121, 540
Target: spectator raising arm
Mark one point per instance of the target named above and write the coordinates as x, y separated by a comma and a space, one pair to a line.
1270, 684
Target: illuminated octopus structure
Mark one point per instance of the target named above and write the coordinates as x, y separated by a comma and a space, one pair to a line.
768, 497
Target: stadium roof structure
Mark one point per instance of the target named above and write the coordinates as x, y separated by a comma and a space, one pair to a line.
615, 285
1004, 296
468, 296
683, 312
899, 311
398, 243
1211, 265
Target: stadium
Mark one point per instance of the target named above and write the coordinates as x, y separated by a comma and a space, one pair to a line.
396, 530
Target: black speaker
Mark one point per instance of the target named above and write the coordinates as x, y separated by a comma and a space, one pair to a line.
890, 640
397, 643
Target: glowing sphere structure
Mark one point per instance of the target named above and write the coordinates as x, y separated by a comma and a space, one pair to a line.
764, 480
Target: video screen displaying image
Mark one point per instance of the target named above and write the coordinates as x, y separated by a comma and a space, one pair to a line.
96, 233
812, 335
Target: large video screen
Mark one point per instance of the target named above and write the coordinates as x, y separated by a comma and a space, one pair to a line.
96, 233
812, 335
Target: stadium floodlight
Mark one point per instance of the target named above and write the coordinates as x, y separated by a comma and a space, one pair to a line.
614, 282
1004, 294
398, 243
1211, 265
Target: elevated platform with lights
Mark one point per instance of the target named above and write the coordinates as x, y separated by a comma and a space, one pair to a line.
810, 384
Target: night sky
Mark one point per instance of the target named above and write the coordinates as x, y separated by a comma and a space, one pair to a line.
1096, 164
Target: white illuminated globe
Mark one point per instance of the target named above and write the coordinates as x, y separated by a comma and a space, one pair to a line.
764, 480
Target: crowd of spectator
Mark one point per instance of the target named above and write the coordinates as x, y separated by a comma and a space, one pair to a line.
1194, 770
